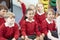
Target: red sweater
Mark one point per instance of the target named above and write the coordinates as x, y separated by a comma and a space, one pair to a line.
23, 10
2, 21
40, 18
46, 26
21, 20
29, 28
6, 32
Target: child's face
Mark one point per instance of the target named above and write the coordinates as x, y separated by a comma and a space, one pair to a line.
30, 14
10, 20
3, 12
40, 7
50, 15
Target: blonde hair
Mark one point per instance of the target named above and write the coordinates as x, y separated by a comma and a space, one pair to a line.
38, 4
31, 5
8, 14
51, 10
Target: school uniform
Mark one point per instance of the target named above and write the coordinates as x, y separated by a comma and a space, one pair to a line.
29, 28
23, 8
39, 17
47, 25
23, 11
9, 32
2, 21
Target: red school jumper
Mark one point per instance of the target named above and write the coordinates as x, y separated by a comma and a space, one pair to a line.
40, 17
23, 10
29, 28
2, 21
46, 25
7, 32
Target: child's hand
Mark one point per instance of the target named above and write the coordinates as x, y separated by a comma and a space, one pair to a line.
37, 38
22, 37
26, 38
41, 37
13, 39
43, 34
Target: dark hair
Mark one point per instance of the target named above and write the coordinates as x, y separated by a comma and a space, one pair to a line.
27, 11
3, 7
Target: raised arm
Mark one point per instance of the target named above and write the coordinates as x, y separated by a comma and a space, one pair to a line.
23, 6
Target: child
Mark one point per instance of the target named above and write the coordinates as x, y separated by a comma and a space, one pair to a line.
9, 29
48, 24
29, 26
31, 6
3, 11
58, 24
40, 14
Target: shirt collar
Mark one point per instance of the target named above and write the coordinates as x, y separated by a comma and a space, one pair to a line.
30, 21
49, 22
7, 25
40, 13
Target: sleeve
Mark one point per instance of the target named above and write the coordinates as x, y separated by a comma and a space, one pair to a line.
23, 28
1, 32
23, 8
44, 28
54, 28
37, 19
16, 35
37, 30
20, 22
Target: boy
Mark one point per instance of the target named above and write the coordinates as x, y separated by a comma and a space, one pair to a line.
9, 29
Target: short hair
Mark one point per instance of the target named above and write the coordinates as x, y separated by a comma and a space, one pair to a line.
3, 7
8, 14
28, 10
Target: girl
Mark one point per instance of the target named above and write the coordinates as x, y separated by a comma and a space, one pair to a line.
40, 14
3, 11
9, 29
49, 25
31, 6
29, 26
